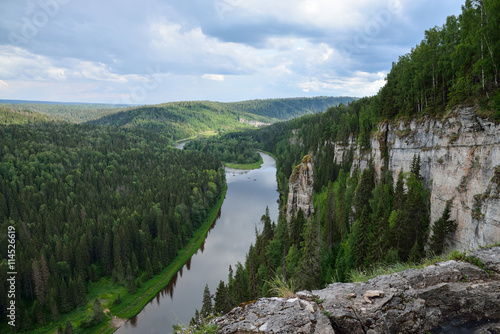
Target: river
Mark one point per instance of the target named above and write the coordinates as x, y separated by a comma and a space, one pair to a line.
248, 194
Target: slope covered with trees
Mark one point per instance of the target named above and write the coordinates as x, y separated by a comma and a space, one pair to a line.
69, 112
186, 119
456, 63
180, 120
285, 109
89, 202
12, 115
361, 221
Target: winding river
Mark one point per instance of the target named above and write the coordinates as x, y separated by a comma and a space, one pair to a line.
248, 194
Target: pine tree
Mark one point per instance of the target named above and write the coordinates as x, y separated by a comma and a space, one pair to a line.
364, 190
98, 314
415, 166
400, 193
309, 267
69, 328
441, 229
222, 300
380, 234
416, 218
361, 237
107, 255
331, 232
297, 227
206, 308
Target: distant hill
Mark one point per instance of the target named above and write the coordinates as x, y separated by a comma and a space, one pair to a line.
70, 112
180, 120
11, 115
285, 109
278, 109
185, 119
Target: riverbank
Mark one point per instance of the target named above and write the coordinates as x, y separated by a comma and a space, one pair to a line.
201, 134
107, 291
137, 301
255, 165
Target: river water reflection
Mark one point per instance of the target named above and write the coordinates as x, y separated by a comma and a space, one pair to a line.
248, 194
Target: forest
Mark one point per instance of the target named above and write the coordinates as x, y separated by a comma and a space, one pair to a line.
73, 113
229, 148
89, 202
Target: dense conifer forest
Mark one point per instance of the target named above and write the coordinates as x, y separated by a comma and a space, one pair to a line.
89, 202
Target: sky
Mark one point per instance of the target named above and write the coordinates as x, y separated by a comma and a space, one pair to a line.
155, 51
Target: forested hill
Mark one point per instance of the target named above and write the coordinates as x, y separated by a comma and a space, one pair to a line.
179, 120
185, 119
285, 109
69, 112
10, 115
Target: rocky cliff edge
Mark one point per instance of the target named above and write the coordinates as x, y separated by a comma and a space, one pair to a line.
448, 297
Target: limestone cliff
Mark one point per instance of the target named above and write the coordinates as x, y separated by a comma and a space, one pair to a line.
459, 154
300, 195
460, 160
448, 297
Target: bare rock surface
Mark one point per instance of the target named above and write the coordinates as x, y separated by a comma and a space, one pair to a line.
300, 195
448, 297
460, 161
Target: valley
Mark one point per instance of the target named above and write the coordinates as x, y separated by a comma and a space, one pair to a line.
316, 214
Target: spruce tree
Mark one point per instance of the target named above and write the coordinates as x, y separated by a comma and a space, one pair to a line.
206, 307
69, 328
309, 267
415, 165
98, 314
400, 193
441, 229
331, 232
364, 190
361, 237
222, 300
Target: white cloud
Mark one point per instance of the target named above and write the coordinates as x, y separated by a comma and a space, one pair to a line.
327, 14
358, 84
96, 71
213, 77
3, 85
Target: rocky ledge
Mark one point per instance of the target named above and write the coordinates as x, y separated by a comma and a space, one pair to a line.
448, 297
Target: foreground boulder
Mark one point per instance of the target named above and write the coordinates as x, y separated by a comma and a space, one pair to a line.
449, 297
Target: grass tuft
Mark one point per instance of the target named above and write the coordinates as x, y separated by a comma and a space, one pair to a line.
281, 287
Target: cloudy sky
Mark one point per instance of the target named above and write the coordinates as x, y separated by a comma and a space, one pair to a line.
153, 51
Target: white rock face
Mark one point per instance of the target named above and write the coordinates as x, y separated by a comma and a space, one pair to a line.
458, 159
300, 195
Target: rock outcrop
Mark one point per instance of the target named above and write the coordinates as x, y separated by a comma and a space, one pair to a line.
448, 297
459, 155
252, 122
300, 195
